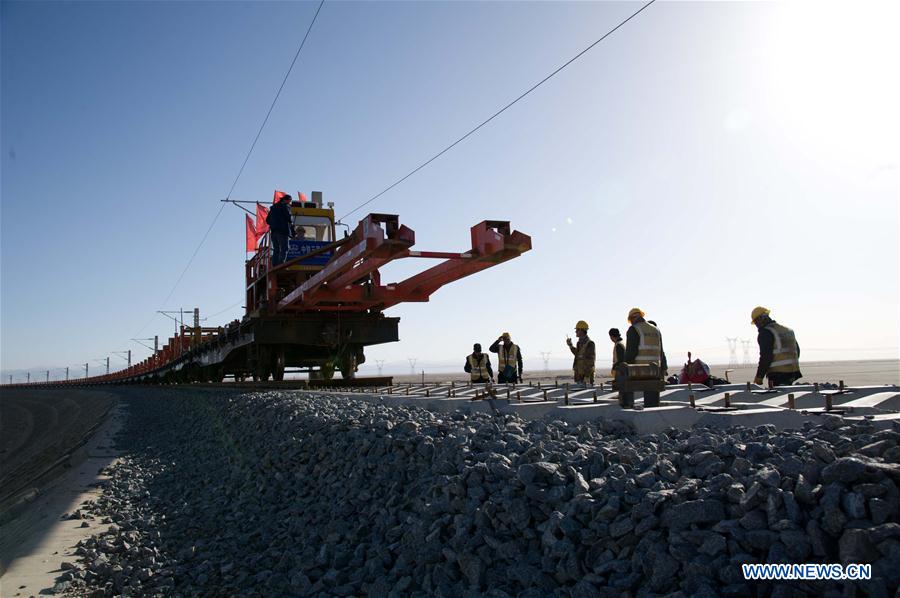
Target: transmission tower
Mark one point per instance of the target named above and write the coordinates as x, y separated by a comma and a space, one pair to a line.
412, 365
732, 350
545, 355
380, 364
745, 343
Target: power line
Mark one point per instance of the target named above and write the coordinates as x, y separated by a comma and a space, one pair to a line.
226, 309
496, 114
244, 164
266, 119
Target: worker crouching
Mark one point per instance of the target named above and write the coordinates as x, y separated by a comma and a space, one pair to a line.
585, 354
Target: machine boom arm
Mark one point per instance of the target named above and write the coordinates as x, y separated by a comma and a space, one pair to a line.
351, 281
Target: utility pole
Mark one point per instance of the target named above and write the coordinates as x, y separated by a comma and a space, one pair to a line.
10, 378
745, 342
412, 365
380, 364
128, 353
27, 377
67, 373
732, 351
48, 375
107, 365
545, 355
179, 320
85, 370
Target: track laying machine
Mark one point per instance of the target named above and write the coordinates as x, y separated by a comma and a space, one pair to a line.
317, 311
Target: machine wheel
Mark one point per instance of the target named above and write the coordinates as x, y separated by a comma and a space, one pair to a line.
278, 366
348, 366
218, 374
350, 361
327, 370
261, 373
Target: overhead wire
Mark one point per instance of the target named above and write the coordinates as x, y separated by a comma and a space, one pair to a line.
497, 113
243, 164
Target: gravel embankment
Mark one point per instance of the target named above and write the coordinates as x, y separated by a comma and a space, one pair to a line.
277, 494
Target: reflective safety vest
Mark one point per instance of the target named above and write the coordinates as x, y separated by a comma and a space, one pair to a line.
784, 352
511, 358
479, 368
650, 344
615, 357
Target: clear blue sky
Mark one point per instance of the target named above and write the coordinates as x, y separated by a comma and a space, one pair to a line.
706, 158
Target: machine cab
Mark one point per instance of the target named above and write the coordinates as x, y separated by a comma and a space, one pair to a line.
313, 228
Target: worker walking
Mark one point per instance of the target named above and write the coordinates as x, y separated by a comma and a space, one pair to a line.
509, 356
643, 345
280, 228
779, 353
478, 365
585, 354
618, 355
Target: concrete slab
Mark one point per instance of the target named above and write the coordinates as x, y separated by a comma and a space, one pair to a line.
759, 406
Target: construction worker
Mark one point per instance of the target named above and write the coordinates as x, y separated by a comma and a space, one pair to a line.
618, 355
643, 345
280, 228
478, 365
585, 354
509, 355
664, 363
779, 353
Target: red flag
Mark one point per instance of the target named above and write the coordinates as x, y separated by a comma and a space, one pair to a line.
261, 226
302, 196
251, 234
278, 195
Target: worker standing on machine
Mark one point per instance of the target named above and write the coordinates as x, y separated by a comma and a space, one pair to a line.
478, 365
643, 345
509, 355
585, 354
618, 355
280, 228
779, 353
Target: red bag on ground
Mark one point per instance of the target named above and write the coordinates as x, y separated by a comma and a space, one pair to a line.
694, 372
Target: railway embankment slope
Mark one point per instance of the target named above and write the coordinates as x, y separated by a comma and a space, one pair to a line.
281, 493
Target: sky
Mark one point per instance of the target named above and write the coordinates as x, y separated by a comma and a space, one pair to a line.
706, 158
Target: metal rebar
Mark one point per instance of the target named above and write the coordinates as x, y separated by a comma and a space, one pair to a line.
791, 404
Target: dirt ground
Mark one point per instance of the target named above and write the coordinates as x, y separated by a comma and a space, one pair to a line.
38, 427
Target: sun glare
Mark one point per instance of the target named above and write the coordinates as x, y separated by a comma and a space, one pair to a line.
833, 80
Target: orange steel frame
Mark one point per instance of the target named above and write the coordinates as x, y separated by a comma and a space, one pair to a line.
350, 281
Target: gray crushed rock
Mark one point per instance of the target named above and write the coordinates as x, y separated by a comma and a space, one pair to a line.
289, 493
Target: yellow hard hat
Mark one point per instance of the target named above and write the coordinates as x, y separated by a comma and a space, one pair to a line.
757, 312
581, 325
635, 311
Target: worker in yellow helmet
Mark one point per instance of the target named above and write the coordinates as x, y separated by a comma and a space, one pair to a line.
509, 355
643, 345
585, 354
779, 353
